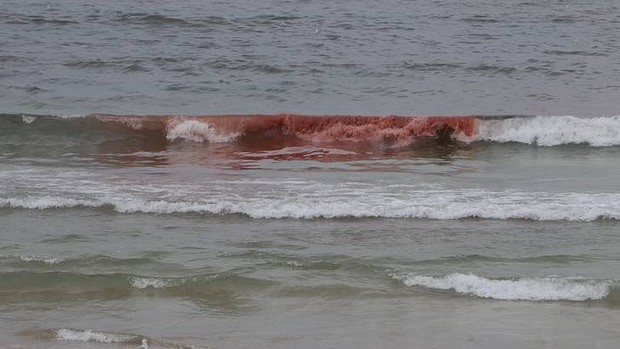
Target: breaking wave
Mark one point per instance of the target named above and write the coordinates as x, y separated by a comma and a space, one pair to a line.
324, 128
66, 334
552, 130
361, 203
149, 282
535, 289
396, 130
196, 131
40, 259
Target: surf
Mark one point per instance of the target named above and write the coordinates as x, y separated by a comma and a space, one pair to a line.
398, 130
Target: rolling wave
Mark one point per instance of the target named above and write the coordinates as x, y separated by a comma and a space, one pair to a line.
76, 283
393, 130
221, 292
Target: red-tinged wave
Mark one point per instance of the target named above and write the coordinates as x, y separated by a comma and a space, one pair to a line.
236, 141
398, 130
244, 141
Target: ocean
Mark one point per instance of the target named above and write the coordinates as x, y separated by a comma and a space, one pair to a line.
309, 174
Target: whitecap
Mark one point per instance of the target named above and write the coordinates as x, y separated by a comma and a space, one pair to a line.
196, 131
144, 282
529, 289
306, 202
551, 130
46, 202
41, 259
28, 119
65, 334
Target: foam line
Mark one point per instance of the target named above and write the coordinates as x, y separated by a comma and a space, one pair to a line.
361, 202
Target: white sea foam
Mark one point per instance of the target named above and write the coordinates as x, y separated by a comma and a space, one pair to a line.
551, 130
537, 289
196, 131
295, 264
28, 119
143, 282
40, 259
300, 199
66, 334
432, 204
72, 116
418, 204
46, 202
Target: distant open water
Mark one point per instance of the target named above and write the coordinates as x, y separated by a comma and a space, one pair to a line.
329, 210
447, 57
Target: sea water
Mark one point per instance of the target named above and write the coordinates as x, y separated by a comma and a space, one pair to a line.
297, 174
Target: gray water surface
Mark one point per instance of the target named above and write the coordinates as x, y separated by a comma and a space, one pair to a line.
110, 233
351, 57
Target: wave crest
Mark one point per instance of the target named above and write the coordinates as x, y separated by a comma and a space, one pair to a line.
360, 202
196, 131
147, 282
397, 130
538, 289
40, 259
551, 130
320, 128
66, 334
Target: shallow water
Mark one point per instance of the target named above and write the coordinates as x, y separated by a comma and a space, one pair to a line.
233, 281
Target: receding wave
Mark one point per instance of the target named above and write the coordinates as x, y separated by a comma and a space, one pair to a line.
527, 289
395, 130
361, 203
